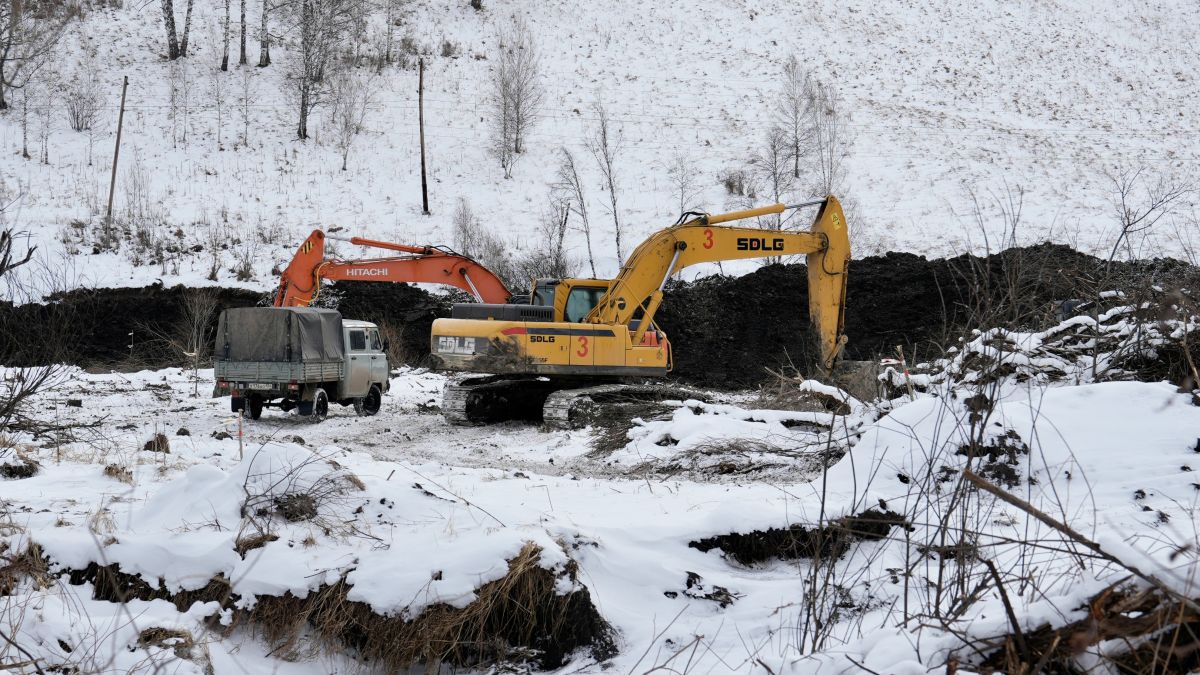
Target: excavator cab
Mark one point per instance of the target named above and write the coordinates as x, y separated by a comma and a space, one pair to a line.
572, 299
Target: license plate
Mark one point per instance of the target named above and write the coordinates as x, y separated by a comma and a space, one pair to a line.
259, 386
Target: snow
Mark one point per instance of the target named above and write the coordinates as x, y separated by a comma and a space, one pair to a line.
440, 511
944, 102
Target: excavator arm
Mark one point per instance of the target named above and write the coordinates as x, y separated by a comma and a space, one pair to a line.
300, 283
639, 285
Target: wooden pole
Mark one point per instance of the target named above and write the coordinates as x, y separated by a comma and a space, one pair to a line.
421, 122
112, 185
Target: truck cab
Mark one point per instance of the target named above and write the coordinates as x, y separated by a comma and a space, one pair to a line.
299, 358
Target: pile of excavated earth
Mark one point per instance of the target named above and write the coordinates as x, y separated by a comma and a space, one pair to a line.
725, 330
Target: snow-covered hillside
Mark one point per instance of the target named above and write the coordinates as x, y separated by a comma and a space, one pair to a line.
942, 99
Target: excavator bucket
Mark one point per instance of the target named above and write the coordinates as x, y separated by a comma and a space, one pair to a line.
299, 281
827, 271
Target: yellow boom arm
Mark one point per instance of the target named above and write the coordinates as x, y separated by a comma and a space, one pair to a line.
827, 247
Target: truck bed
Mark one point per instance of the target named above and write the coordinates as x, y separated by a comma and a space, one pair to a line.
278, 371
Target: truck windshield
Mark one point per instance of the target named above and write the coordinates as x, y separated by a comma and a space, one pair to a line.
581, 301
358, 340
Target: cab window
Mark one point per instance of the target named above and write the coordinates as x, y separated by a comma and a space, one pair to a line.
358, 340
376, 345
580, 301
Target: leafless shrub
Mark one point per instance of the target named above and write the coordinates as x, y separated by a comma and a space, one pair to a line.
351, 102
605, 145
794, 112
517, 94
119, 472
681, 171
82, 97
1138, 213
569, 188
739, 183
24, 377
449, 49
772, 163
308, 487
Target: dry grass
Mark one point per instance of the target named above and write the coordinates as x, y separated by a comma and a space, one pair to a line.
248, 543
510, 617
119, 472
29, 564
519, 618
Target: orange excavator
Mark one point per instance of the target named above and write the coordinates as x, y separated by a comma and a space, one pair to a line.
300, 283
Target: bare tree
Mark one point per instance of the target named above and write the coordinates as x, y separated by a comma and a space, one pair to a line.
830, 140
322, 25
351, 100
570, 187
518, 93
681, 171
393, 11
247, 92
605, 145
773, 165
217, 93
242, 37
264, 37
43, 96
168, 8
794, 111
1136, 214
225, 37
29, 32
187, 29
179, 97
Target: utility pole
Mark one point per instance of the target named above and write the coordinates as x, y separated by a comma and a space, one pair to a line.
112, 185
421, 121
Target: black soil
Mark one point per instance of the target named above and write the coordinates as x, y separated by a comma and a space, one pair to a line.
725, 331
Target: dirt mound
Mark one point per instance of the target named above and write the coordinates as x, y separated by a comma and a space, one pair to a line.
91, 327
725, 331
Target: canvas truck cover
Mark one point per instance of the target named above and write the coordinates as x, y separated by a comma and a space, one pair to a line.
279, 334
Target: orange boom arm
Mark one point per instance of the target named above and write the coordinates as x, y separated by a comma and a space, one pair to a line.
301, 281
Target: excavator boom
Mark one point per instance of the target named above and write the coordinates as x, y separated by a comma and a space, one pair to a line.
300, 283
637, 289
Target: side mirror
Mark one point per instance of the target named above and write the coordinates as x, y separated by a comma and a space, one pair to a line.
386, 346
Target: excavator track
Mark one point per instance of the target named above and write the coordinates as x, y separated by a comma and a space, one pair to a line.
558, 404
577, 408
496, 398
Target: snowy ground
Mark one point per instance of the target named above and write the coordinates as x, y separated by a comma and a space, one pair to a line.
1048, 96
441, 509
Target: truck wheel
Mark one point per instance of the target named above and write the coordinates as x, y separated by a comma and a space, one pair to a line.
369, 405
256, 406
319, 407
237, 404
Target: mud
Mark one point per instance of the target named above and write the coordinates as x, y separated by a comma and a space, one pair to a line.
799, 542
725, 331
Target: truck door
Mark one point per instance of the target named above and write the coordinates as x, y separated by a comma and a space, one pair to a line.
380, 371
358, 373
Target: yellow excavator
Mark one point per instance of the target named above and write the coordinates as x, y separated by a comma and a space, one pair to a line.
579, 341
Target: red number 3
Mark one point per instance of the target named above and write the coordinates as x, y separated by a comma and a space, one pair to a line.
583, 346
708, 235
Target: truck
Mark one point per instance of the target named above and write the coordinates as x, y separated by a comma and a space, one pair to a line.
300, 358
